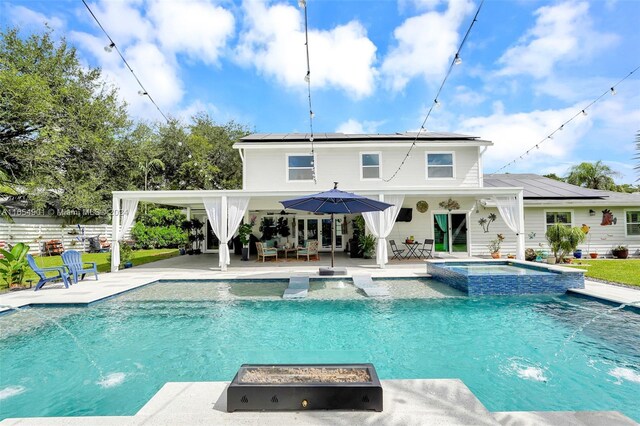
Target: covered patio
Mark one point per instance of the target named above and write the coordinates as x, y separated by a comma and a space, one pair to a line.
223, 211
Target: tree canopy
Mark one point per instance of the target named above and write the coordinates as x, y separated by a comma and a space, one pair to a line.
67, 141
592, 175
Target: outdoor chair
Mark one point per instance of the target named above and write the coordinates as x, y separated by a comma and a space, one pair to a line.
73, 261
310, 249
426, 249
397, 253
61, 273
265, 252
99, 244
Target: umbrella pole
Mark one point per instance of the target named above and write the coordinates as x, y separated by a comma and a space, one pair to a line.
333, 239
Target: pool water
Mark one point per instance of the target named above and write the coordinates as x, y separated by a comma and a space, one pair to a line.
514, 353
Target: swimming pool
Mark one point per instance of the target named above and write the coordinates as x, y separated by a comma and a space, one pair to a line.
514, 353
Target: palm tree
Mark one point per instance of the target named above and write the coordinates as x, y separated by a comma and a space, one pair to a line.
146, 167
592, 175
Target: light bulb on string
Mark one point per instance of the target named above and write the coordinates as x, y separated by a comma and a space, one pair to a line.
189, 155
550, 137
307, 77
142, 93
311, 114
613, 91
109, 47
584, 113
302, 4
457, 60
179, 143
561, 127
436, 103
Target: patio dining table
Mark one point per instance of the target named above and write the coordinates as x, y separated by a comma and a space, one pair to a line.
412, 249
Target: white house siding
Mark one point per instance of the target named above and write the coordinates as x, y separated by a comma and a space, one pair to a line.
34, 235
600, 239
267, 168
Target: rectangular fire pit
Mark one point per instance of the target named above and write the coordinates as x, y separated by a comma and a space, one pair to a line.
295, 387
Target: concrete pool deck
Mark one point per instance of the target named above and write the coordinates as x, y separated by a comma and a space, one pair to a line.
406, 402
205, 267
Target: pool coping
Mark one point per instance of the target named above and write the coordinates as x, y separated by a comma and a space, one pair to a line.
406, 401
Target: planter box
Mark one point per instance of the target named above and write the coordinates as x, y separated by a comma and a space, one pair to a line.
295, 387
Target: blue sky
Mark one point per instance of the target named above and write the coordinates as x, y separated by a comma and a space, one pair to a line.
528, 66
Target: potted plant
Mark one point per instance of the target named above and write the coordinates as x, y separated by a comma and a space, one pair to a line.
244, 232
126, 254
577, 254
620, 252
14, 264
563, 240
367, 245
494, 246
593, 255
282, 228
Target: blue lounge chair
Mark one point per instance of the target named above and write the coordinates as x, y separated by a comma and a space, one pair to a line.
73, 261
41, 272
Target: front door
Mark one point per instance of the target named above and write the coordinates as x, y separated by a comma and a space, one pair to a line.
450, 232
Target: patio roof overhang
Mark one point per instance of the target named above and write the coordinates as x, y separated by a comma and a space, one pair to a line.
193, 198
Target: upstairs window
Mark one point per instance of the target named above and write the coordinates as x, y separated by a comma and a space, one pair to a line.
558, 217
440, 165
370, 162
633, 222
300, 167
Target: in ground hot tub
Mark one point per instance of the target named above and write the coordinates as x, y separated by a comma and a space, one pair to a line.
487, 277
293, 387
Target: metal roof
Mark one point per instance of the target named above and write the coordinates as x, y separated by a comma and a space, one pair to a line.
320, 137
540, 187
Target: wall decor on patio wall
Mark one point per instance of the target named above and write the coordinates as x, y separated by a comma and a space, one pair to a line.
485, 222
607, 218
450, 204
422, 206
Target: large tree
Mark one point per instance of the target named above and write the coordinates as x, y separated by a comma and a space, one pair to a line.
592, 175
60, 123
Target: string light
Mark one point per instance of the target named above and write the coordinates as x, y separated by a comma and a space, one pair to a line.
582, 112
142, 93
455, 61
307, 79
111, 46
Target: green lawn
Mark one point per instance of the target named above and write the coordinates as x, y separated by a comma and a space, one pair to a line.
625, 271
139, 257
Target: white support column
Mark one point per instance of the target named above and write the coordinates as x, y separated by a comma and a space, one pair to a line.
381, 219
520, 237
115, 226
224, 229
188, 213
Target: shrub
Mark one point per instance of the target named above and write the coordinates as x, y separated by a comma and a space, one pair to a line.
160, 228
563, 240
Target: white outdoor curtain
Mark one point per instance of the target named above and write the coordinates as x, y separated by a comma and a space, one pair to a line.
381, 223
224, 229
128, 214
508, 207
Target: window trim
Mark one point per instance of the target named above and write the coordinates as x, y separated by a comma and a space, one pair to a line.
544, 217
453, 165
362, 166
303, 154
625, 223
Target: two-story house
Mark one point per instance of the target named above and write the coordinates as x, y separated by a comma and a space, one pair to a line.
437, 178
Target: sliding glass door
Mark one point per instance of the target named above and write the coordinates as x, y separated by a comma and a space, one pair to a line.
450, 232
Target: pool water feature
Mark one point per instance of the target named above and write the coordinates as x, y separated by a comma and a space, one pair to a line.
504, 277
515, 353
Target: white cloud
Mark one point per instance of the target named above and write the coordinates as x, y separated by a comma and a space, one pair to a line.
562, 33
514, 134
355, 126
467, 97
426, 45
273, 42
198, 28
22, 16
